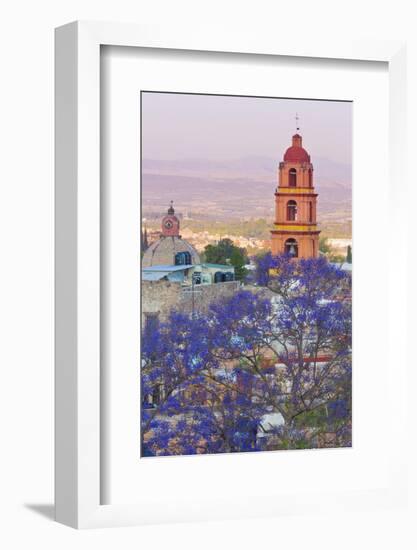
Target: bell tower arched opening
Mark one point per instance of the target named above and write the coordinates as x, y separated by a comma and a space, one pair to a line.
291, 211
292, 177
291, 248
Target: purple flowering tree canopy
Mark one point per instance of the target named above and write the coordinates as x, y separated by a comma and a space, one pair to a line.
268, 368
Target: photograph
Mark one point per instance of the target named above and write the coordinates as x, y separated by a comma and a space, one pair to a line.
245, 274
208, 338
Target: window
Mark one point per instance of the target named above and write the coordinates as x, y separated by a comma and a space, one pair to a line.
197, 277
291, 211
310, 211
310, 177
218, 277
291, 248
292, 177
183, 258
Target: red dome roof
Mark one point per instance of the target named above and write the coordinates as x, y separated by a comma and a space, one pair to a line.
296, 153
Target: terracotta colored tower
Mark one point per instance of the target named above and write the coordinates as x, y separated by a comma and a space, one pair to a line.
170, 223
295, 228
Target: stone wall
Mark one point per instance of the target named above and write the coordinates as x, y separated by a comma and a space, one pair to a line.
160, 297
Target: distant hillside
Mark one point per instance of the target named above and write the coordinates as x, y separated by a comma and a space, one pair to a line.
247, 167
241, 188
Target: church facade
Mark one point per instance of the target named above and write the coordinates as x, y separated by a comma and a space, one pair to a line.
295, 228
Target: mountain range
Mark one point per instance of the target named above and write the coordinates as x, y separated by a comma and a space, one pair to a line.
237, 188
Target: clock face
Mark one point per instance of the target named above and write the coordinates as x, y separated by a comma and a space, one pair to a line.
168, 224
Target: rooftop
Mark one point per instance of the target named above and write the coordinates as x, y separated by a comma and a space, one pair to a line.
223, 266
166, 268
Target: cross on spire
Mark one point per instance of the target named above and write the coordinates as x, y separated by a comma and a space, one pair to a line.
297, 128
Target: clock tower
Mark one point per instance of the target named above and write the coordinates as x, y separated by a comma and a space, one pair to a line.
170, 249
295, 229
170, 223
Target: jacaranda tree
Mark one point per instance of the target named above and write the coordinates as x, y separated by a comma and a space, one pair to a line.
280, 349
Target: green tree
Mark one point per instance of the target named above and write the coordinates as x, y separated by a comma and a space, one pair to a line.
324, 246
349, 255
225, 252
237, 259
326, 249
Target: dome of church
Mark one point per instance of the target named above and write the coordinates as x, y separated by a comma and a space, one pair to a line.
165, 251
296, 153
170, 248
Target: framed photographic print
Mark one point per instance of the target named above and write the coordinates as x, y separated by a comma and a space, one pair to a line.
218, 317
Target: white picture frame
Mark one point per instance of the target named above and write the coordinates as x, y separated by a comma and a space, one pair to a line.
77, 499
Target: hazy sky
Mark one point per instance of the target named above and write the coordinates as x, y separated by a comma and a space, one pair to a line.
182, 126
